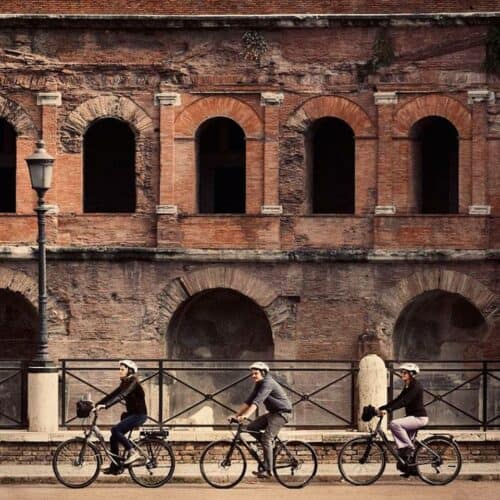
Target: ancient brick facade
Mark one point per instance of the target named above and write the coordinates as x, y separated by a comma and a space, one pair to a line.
116, 280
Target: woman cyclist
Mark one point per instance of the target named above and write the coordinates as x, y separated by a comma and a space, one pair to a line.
412, 399
132, 392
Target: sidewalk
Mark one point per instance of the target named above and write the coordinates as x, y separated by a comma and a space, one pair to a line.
190, 473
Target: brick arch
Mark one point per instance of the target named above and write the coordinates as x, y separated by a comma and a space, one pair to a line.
108, 106
395, 300
433, 105
179, 290
18, 282
331, 106
15, 114
189, 120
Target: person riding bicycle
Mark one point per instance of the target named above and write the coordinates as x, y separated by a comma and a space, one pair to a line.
132, 392
412, 399
268, 392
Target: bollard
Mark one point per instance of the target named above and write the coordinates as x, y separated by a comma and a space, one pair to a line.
372, 386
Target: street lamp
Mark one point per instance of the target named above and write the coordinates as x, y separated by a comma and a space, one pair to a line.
40, 165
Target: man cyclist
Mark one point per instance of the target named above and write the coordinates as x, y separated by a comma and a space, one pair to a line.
132, 392
412, 399
268, 392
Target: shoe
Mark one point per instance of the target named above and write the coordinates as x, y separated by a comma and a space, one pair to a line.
112, 469
134, 456
265, 474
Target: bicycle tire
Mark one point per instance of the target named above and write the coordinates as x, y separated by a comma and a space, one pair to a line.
295, 464
158, 469
216, 460
427, 467
350, 464
68, 467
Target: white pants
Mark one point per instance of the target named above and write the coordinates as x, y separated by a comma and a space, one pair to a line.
404, 429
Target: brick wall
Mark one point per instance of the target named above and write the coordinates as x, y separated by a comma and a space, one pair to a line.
198, 7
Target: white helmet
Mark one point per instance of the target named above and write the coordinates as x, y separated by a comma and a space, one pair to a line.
129, 364
259, 365
410, 367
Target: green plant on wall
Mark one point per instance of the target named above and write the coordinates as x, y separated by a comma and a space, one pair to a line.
254, 46
491, 62
382, 55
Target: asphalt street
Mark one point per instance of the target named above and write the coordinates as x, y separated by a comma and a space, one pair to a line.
407, 489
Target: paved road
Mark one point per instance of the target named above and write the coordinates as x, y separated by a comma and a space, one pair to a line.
409, 490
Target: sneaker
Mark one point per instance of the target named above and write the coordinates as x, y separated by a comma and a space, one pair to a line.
134, 456
265, 474
112, 469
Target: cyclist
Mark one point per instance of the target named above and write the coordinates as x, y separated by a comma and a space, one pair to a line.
268, 392
412, 399
132, 392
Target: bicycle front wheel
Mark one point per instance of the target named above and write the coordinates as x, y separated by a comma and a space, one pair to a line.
223, 464
438, 460
76, 463
295, 464
361, 461
158, 468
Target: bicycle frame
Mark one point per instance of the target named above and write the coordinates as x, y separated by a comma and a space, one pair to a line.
94, 430
378, 432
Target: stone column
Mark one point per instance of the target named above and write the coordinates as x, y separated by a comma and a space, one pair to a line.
271, 102
49, 102
43, 399
479, 100
372, 386
167, 101
385, 102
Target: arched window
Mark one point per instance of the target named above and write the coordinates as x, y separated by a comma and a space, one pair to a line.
109, 167
221, 167
7, 167
435, 160
330, 145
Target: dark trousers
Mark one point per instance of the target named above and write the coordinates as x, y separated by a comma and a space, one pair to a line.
119, 430
270, 423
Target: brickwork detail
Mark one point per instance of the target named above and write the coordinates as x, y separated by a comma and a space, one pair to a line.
78, 120
195, 114
394, 300
277, 309
433, 105
14, 113
18, 282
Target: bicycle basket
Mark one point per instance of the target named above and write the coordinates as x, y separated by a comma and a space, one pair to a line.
368, 413
83, 408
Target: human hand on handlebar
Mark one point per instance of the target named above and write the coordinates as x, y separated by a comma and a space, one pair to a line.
381, 413
98, 408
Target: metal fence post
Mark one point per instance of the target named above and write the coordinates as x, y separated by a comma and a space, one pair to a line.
485, 395
160, 393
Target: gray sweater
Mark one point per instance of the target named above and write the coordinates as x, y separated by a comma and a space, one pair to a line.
269, 392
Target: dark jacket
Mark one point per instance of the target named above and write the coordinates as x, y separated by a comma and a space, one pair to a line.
411, 398
269, 392
132, 392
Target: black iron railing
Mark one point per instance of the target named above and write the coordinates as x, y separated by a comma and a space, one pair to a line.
13, 394
457, 394
194, 393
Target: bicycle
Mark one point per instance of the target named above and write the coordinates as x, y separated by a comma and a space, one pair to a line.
223, 463
437, 459
77, 461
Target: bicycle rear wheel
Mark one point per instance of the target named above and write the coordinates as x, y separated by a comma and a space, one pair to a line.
361, 461
222, 464
438, 460
76, 463
159, 466
295, 464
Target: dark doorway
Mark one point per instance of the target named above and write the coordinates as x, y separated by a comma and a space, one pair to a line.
331, 151
7, 167
221, 167
435, 158
219, 326
109, 167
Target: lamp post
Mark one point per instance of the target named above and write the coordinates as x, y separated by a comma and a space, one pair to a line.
40, 165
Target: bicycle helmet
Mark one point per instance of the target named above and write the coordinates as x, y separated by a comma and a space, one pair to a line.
129, 364
259, 365
410, 367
